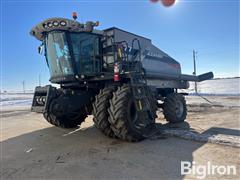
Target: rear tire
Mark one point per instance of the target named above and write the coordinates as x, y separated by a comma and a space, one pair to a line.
126, 122
153, 102
175, 108
100, 111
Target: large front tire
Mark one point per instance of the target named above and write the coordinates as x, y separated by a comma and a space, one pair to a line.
175, 108
126, 121
65, 120
100, 111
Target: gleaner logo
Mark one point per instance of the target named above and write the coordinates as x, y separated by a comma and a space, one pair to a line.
201, 171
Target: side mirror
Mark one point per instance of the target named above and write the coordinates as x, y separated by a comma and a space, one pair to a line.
40, 49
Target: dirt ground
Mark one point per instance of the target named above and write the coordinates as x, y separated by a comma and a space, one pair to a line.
33, 149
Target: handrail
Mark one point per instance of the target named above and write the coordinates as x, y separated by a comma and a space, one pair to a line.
139, 52
139, 46
94, 53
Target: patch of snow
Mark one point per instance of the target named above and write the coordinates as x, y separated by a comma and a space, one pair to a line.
216, 139
216, 87
228, 87
19, 99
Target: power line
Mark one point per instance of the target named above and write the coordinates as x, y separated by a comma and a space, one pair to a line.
39, 80
23, 85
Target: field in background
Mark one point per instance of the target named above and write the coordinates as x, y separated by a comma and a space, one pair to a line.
216, 87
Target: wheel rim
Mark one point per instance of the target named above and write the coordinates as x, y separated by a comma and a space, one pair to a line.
179, 109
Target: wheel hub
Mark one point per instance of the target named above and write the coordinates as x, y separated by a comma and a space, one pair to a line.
179, 109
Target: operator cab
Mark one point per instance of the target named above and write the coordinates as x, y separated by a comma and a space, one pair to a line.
71, 49
81, 56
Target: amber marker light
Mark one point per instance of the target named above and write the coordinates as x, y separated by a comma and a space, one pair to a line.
74, 15
97, 23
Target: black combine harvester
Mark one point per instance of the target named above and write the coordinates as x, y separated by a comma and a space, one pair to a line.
117, 76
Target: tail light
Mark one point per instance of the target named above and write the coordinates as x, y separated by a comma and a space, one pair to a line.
116, 77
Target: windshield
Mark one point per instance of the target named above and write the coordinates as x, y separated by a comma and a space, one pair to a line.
58, 56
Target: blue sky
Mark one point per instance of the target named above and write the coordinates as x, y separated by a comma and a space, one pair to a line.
210, 27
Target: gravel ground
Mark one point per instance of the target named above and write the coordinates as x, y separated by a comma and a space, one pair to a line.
33, 149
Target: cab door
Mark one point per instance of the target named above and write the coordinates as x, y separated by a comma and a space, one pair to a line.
90, 56
86, 53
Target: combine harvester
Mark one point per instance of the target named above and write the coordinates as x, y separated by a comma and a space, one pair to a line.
119, 77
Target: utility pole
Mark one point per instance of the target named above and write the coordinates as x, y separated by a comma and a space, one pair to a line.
23, 84
39, 80
195, 71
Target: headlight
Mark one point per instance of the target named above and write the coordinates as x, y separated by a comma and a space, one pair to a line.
49, 24
63, 23
44, 25
55, 23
